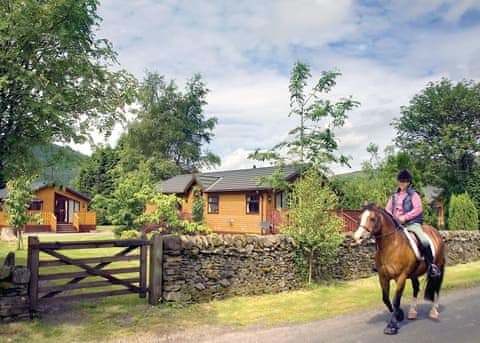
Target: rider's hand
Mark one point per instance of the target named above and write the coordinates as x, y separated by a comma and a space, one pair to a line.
402, 219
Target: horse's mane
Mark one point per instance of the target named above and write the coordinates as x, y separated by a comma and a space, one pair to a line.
386, 214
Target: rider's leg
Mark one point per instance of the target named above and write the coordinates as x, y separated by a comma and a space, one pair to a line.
433, 270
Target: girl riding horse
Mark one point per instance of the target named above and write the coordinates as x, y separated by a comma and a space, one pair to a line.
395, 259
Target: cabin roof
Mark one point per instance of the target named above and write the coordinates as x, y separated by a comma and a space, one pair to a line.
223, 181
39, 185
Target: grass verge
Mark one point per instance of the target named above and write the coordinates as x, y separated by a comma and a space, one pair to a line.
121, 317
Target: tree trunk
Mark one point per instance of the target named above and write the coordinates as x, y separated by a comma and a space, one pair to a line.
310, 267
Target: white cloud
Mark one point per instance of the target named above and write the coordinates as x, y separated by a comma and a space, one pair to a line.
245, 51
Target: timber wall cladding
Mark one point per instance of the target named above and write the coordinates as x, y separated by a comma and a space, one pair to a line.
202, 268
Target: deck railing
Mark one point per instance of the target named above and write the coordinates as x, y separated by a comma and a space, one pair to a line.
86, 218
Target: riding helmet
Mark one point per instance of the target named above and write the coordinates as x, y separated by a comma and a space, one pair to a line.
404, 175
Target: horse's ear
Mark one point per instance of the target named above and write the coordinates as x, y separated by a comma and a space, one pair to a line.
378, 204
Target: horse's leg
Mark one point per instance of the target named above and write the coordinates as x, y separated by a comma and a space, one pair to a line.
385, 284
397, 315
437, 284
412, 312
434, 311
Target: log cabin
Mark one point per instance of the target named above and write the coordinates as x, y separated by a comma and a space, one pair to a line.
62, 209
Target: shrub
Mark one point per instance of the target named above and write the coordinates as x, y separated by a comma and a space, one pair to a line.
197, 206
313, 224
129, 234
462, 214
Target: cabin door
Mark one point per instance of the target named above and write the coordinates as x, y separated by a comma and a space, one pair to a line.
61, 209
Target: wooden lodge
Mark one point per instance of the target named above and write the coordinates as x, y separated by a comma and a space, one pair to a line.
61, 209
236, 203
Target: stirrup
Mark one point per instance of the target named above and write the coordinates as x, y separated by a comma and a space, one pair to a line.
434, 271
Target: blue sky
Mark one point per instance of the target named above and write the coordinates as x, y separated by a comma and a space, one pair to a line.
387, 51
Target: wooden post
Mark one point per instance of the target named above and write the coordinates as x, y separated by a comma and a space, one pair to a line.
143, 268
32, 264
156, 270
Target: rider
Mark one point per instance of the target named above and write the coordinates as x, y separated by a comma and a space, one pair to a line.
405, 205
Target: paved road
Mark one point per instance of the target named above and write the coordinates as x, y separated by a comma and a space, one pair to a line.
459, 322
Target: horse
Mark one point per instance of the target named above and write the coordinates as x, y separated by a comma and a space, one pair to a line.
395, 260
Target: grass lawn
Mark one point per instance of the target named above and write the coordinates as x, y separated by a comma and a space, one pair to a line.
123, 316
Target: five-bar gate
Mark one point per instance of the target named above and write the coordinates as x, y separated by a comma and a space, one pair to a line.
45, 287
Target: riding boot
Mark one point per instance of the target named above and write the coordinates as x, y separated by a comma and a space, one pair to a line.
432, 269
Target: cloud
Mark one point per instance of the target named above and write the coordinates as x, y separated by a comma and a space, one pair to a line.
387, 52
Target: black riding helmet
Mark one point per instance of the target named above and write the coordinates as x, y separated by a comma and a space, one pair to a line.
404, 176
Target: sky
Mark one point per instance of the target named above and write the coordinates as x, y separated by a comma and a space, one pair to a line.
387, 51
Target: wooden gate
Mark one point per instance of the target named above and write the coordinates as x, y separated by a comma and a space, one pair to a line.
44, 288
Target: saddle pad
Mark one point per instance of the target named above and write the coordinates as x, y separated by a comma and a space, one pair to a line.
412, 239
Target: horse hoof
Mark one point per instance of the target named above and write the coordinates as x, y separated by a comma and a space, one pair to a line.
412, 314
433, 314
399, 315
390, 330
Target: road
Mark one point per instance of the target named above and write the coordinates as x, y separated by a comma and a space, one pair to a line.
459, 322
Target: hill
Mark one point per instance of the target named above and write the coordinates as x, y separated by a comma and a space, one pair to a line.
58, 164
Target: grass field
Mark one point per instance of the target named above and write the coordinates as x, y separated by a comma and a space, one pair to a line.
124, 316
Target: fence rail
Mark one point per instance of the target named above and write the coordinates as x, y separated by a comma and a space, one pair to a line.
43, 291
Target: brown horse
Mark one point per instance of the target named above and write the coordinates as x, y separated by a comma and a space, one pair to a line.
396, 260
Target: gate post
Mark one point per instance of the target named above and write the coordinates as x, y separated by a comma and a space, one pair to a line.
32, 264
156, 270
143, 267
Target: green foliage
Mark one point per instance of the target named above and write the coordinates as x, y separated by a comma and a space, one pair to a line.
440, 129
313, 225
129, 234
170, 129
166, 211
462, 214
166, 214
127, 202
313, 142
100, 204
56, 81
473, 187
17, 203
97, 172
198, 205
57, 164
377, 180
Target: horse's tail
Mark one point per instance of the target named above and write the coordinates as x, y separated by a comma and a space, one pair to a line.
434, 284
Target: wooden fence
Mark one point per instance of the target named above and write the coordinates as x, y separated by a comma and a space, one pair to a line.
44, 288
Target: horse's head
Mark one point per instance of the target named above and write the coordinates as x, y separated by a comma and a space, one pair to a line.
369, 224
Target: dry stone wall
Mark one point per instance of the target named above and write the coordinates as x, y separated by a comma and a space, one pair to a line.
202, 268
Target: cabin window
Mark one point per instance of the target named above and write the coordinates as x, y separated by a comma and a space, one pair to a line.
213, 204
253, 203
280, 200
35, 205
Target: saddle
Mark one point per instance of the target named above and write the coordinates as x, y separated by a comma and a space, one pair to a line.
416, 245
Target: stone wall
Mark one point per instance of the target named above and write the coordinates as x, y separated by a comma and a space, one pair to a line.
355, 262
14, 300
202, 268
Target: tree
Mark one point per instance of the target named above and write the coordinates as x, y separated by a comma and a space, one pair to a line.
128, 201
440, 129
17, 204
462, 214
198, 205
96, 175
377, 179
170, 129
313, 225
312, 142
55, 78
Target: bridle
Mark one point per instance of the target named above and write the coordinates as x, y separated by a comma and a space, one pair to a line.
377, 236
